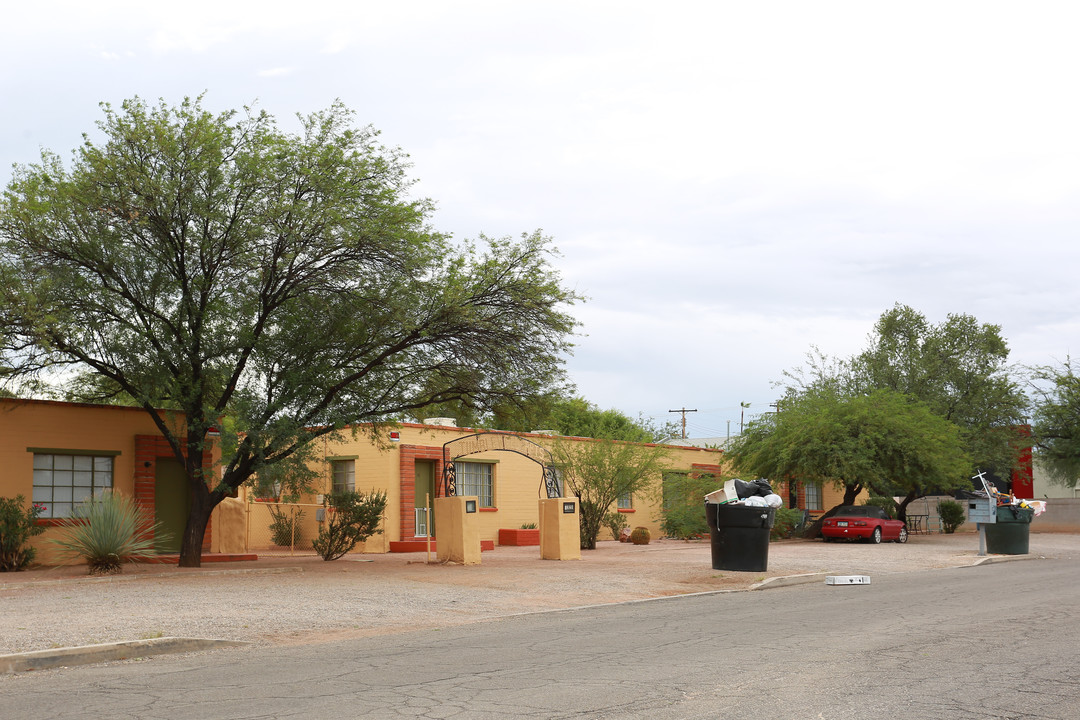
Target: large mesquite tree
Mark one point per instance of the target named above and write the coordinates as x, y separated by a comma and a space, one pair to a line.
276, 285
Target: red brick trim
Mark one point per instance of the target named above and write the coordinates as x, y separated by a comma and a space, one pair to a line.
148, 448
407, 458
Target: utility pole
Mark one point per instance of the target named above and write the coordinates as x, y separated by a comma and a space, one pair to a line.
742, 414
683, 411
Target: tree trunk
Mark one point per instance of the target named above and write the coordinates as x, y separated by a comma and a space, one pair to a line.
202, 504
851, 491
901, 509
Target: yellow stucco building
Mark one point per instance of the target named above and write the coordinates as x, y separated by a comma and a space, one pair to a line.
58, 454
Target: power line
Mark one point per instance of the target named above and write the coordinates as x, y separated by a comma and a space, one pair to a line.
683, 411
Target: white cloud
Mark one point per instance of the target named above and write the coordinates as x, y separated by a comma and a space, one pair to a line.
745, 180
277, 72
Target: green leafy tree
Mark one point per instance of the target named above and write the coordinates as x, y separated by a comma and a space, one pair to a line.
599, 472
274, 285
577, 417
957, 369
878, 440
561, 414
1056, 422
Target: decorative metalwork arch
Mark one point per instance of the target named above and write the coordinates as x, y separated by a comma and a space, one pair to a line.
505, 442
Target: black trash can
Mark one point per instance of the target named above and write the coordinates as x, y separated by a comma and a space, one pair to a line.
1009, 535
740, 536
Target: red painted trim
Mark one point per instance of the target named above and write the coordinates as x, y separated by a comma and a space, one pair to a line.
627, 510
519, 537
148, 449
412, 546
407, 458
59, 522
488, 509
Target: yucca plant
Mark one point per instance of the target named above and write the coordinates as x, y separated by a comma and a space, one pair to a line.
107, 531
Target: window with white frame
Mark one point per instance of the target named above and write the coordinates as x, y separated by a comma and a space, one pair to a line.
476, 479
62, 481
812, 493
344, 476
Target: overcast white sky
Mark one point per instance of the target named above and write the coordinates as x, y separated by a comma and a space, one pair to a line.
729, 183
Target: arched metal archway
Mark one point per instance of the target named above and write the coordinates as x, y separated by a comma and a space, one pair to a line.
508, 442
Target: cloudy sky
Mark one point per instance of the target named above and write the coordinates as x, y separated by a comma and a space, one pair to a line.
730, 183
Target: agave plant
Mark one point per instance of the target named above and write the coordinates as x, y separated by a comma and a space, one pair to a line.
107, 531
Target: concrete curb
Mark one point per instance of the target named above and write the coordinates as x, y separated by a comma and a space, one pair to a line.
88, 654
788, 581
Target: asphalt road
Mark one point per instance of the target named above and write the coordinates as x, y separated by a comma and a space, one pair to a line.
995, 641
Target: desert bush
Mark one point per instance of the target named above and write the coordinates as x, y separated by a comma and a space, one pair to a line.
285, 524
785, 523
351, 517
683, 503
17, 526
951, 514
614, 522
108, 531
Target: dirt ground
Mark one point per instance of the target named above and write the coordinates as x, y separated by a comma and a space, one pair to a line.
301, 599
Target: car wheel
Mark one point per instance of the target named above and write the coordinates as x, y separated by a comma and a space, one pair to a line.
876, 537
903, 535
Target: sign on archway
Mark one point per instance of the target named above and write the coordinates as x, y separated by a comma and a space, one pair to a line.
508, 442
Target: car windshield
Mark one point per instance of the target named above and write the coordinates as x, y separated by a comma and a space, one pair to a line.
860, 511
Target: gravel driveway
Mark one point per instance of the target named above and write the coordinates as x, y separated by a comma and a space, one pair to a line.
303, 599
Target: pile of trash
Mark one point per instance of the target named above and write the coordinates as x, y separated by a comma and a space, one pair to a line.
752, 493
1006, 499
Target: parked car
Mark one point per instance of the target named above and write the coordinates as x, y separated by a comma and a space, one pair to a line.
864, 522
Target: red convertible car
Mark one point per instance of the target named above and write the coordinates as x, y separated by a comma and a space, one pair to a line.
865, 522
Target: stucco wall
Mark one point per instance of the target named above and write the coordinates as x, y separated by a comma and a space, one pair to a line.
66, 426
518, 479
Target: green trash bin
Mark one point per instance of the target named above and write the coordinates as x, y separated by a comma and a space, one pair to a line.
1009, 535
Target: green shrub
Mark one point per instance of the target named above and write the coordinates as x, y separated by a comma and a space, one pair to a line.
886, 503
108, 531
614, 522
285, 524
351, 517
17, 526
951, 514
685, 522
785, 522
684, 507
528, 526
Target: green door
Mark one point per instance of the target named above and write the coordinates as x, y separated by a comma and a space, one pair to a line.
172, 503
425, 488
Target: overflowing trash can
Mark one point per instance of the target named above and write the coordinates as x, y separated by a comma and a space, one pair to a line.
1004, 520
739, 527
1010, 534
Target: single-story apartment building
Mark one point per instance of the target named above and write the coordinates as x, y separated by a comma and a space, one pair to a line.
60, 453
